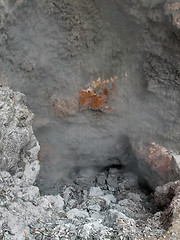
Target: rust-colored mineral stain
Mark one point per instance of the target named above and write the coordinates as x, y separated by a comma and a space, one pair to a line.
89, 99
62, 107
105, 91
96, 96
97, 84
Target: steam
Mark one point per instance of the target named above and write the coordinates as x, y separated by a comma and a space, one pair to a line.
51, 59
89, 137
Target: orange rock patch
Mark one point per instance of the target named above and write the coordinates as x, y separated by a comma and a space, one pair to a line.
96, 96
159, 159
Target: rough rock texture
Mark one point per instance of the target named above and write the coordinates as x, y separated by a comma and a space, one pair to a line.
161, 79
19, 147
55, 51
86, 210
107, 204
168, 199
173, 11
157, 164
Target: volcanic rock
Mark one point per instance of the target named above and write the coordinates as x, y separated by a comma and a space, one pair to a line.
98, 83
89, 209
94, 80
167, 197
19, 147
156, 164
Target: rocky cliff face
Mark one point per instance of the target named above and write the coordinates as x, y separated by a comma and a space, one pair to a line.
99, 76
103, 80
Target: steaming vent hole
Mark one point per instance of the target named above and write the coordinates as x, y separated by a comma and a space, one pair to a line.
98, 190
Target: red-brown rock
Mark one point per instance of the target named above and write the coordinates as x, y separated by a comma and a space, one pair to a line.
157, 164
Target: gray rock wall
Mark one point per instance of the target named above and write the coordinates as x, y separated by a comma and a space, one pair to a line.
51, 49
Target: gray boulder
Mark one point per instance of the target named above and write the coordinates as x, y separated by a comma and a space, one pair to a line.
18, 145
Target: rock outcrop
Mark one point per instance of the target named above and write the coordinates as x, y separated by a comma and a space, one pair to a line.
106, 205
97, 82
19, 147
157, 164
167, 198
